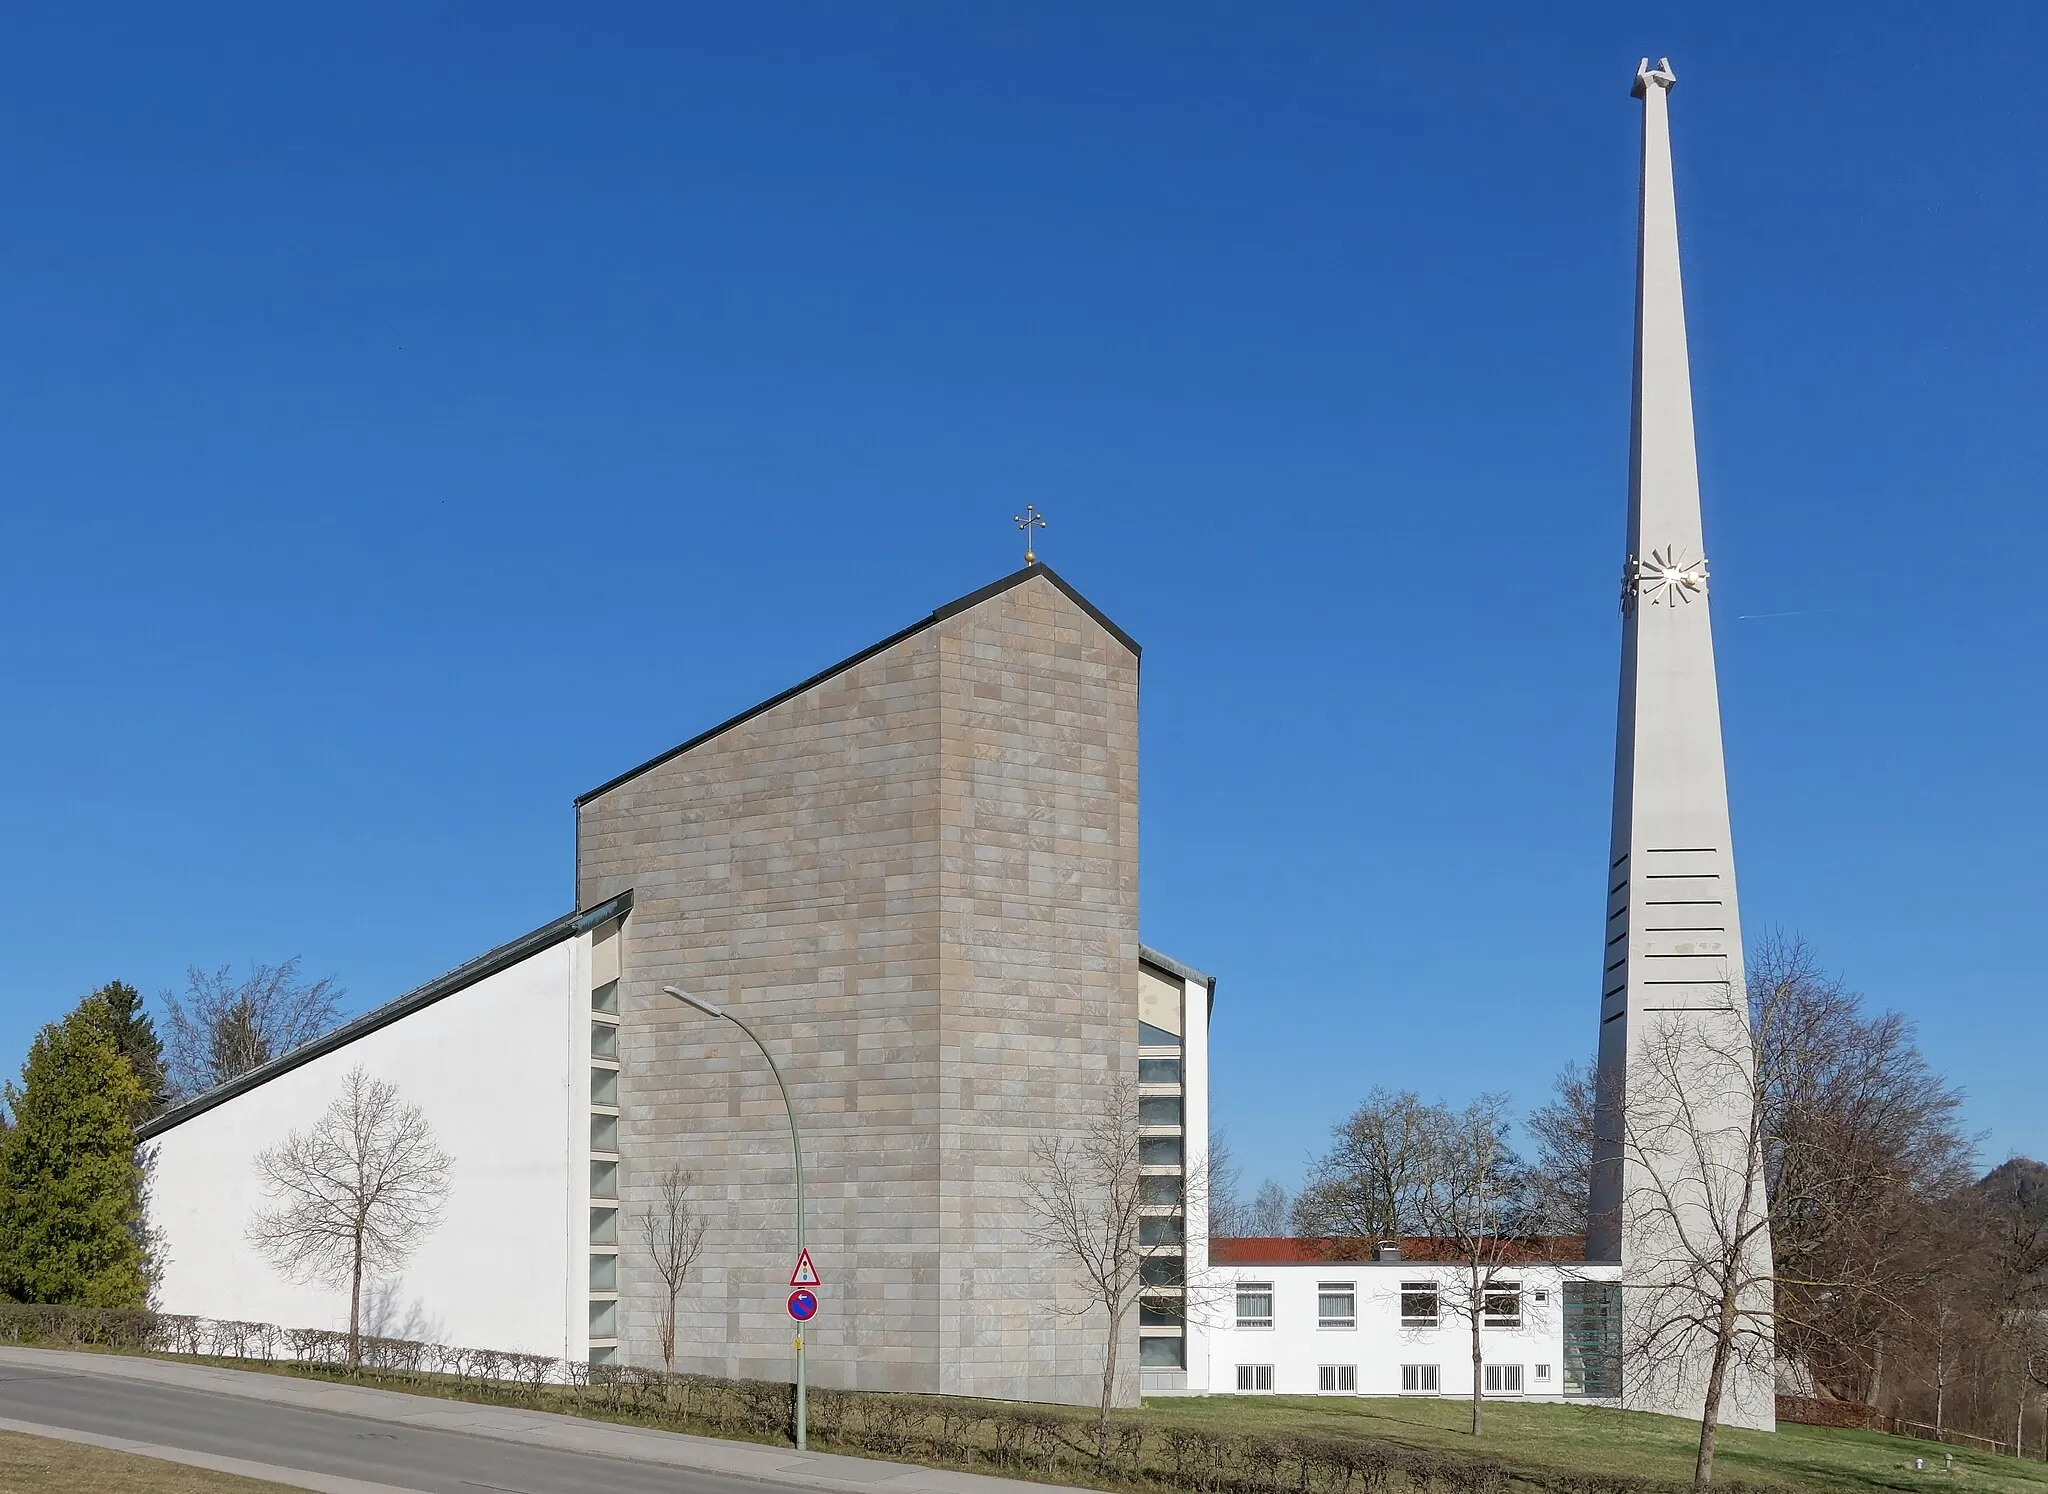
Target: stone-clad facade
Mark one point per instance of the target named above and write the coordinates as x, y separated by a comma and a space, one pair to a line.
917, 877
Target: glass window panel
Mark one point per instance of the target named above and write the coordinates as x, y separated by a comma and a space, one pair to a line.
604, 1320
1160, 1312
1503, 1305
1159, 1151
606, 998
1156, 1037
604, 1354
1159, 1188
1419, 1377
1255, 1377
604, 1040
1336, 1305
604, 1273
1159, 1110
604, 1180
604, 1133
1418, 1304
604, 1086
1159, 1071
1160, 1229
1254, 1304
1162, 1271
1337, 1378
604, 1226
1592, 1338
1163, 1351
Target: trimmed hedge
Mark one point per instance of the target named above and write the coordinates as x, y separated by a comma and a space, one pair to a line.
993, 1437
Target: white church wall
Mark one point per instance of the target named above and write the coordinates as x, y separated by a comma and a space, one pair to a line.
498, 1069
1196, 1040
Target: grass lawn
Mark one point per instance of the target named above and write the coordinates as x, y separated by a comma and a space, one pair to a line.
1589, 1438
42, 1464
1530, 1439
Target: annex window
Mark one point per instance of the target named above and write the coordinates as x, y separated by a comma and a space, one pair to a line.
606, 999
604, 1040
604, 1133
1157, 1188
1159, 1110
1255, 1304
1159, 1151
1160, 1229
1503, 1379
604, 1273
604, 1087
1418, 1378
1542, 1373
1503, 1305
1336, 1304
1255, 1377
1159, 1071
1418, 1304
1337, 1379
604, 1226
1163, 1351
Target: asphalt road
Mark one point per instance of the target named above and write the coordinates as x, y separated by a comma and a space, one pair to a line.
411, 1457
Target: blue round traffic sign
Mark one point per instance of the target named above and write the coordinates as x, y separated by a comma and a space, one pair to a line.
803, 1305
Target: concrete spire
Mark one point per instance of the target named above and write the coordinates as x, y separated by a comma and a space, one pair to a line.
1673, 1016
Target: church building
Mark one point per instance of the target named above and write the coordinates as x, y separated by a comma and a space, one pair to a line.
915, 875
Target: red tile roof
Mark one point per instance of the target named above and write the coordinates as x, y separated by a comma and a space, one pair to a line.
1274, 1251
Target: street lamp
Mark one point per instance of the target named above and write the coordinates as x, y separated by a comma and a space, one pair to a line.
796, 1150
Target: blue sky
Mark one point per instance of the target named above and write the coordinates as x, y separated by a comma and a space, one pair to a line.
412, 416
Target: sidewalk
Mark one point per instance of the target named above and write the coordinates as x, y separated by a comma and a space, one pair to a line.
744, 1460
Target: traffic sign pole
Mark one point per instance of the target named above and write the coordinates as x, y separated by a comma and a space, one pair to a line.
796, 1148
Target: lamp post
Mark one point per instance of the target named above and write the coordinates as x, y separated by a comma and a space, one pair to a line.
796, 1149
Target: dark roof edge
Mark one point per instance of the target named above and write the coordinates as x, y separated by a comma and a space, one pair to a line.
491, 962
972, 599
1172, 966
1018, 578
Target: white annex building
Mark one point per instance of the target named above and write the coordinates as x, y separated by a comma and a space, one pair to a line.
915, 875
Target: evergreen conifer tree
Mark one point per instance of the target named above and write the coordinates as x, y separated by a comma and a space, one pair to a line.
71, 1186
135, 1035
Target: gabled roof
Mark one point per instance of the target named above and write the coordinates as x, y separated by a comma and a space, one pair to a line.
460, 978
1172, 966
951, 609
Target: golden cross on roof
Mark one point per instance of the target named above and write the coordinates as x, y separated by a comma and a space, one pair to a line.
1030, 519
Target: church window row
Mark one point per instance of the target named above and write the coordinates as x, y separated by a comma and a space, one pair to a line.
1162, 1184
604, 1145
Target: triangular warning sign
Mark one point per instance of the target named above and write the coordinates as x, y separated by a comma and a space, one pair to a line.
805, 1274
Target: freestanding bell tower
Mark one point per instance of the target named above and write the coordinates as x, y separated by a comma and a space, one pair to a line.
1673, 1016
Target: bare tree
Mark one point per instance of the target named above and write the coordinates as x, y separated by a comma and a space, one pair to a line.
1465, 1191
1364, 1185
223, 1028
1227, 1211
1085, 1200
1862, 1156
1701, 1283
673, 1231
1561, 1178
357, 1193
1270, 1215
